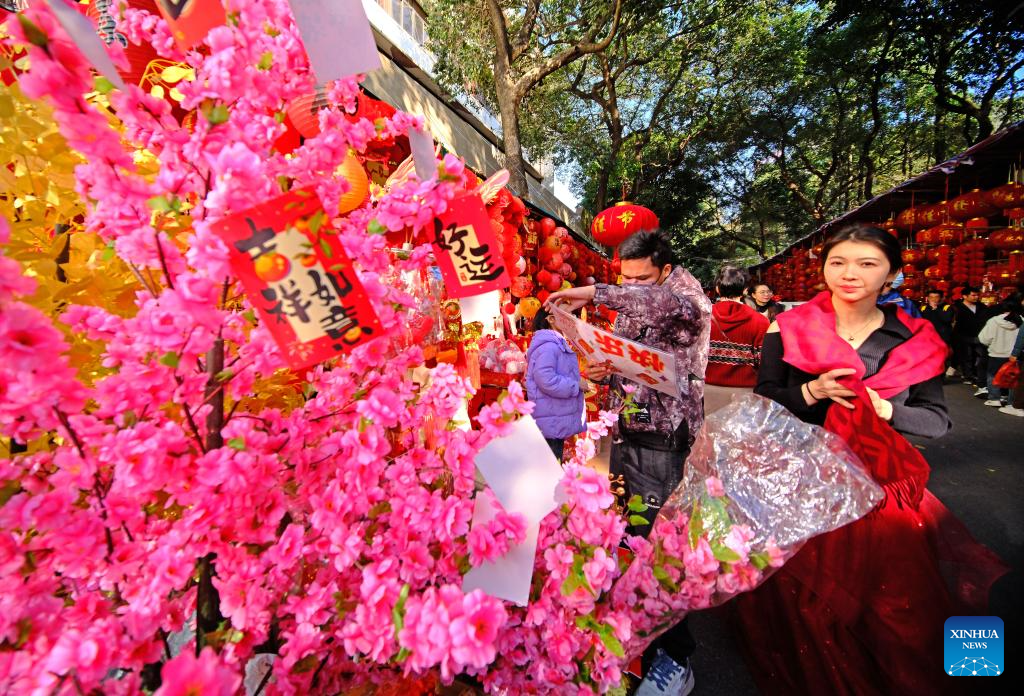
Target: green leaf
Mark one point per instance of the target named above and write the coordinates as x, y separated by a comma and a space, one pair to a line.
279, 116
760, 560
326, 248
237, 443
266, 61
250, 316
398, 611
376, 228
724, 554
217, 114
224, 375
170, 359
108, 252
638, 520
696, 528
607, 636
316, 221
381, 508
159, 204
35, 35
102, 85
636, 504
664, 579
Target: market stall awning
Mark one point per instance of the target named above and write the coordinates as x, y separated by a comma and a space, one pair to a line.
983, 165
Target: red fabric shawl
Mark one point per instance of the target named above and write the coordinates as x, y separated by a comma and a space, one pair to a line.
861, 610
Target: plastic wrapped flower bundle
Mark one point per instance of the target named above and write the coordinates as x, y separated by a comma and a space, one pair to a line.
758, 483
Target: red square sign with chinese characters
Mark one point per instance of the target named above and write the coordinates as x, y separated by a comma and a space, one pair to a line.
467, 250
298, 277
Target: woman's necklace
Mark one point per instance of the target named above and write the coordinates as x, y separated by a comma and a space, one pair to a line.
851, 336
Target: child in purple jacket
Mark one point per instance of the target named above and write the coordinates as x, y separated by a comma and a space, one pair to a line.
554, 384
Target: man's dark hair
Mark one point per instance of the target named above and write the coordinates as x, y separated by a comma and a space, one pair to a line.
968, 289
651, 244
935, 291
730, 281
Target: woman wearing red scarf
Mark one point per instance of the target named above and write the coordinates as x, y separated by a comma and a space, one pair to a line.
861, 610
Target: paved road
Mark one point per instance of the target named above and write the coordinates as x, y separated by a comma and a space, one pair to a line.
978, 472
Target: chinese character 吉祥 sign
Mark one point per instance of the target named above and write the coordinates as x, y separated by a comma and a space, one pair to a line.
467, 250
642, 364
298, 277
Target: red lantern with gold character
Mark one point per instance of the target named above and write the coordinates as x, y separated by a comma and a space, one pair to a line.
1009, 195
971, 204
613, 225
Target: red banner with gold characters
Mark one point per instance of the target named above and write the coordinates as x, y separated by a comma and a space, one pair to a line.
466, 249
298, 277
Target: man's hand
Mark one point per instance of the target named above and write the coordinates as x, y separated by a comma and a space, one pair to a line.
599, 371
572, 299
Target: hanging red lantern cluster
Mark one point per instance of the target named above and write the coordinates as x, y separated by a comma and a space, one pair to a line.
613, 225
968, 264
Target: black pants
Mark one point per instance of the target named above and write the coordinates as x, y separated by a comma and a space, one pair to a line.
653, 475
973, 359
557, 446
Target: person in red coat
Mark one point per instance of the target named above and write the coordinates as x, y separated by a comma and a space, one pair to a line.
737, 332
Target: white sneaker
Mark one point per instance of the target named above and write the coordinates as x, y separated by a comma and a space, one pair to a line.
950, 372
666, 677
1019, 412
983, 391
993, 402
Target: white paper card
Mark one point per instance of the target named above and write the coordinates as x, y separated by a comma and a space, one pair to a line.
422, 146
508, 577
337, 36
522, 471
83, 33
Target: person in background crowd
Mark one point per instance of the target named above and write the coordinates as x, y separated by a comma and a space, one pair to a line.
737, 332
554, 384
661, 305
998, 337
1016, 407
941, 317
969, 317
891, 295
860, 610
761, 299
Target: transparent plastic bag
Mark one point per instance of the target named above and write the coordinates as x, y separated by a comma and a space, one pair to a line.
758, 483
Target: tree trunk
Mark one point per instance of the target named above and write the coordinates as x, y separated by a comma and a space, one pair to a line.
508, 105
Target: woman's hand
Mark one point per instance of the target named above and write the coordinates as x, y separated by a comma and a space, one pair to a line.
599, 371
827, 386
882, 407
572, 299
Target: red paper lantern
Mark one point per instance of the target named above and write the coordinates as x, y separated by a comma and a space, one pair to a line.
976, 224
914, 256
949, 234
1008, 239
613, 225
547, 226
907, 220
932, 215
1007, 196
972, 204
104, 13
